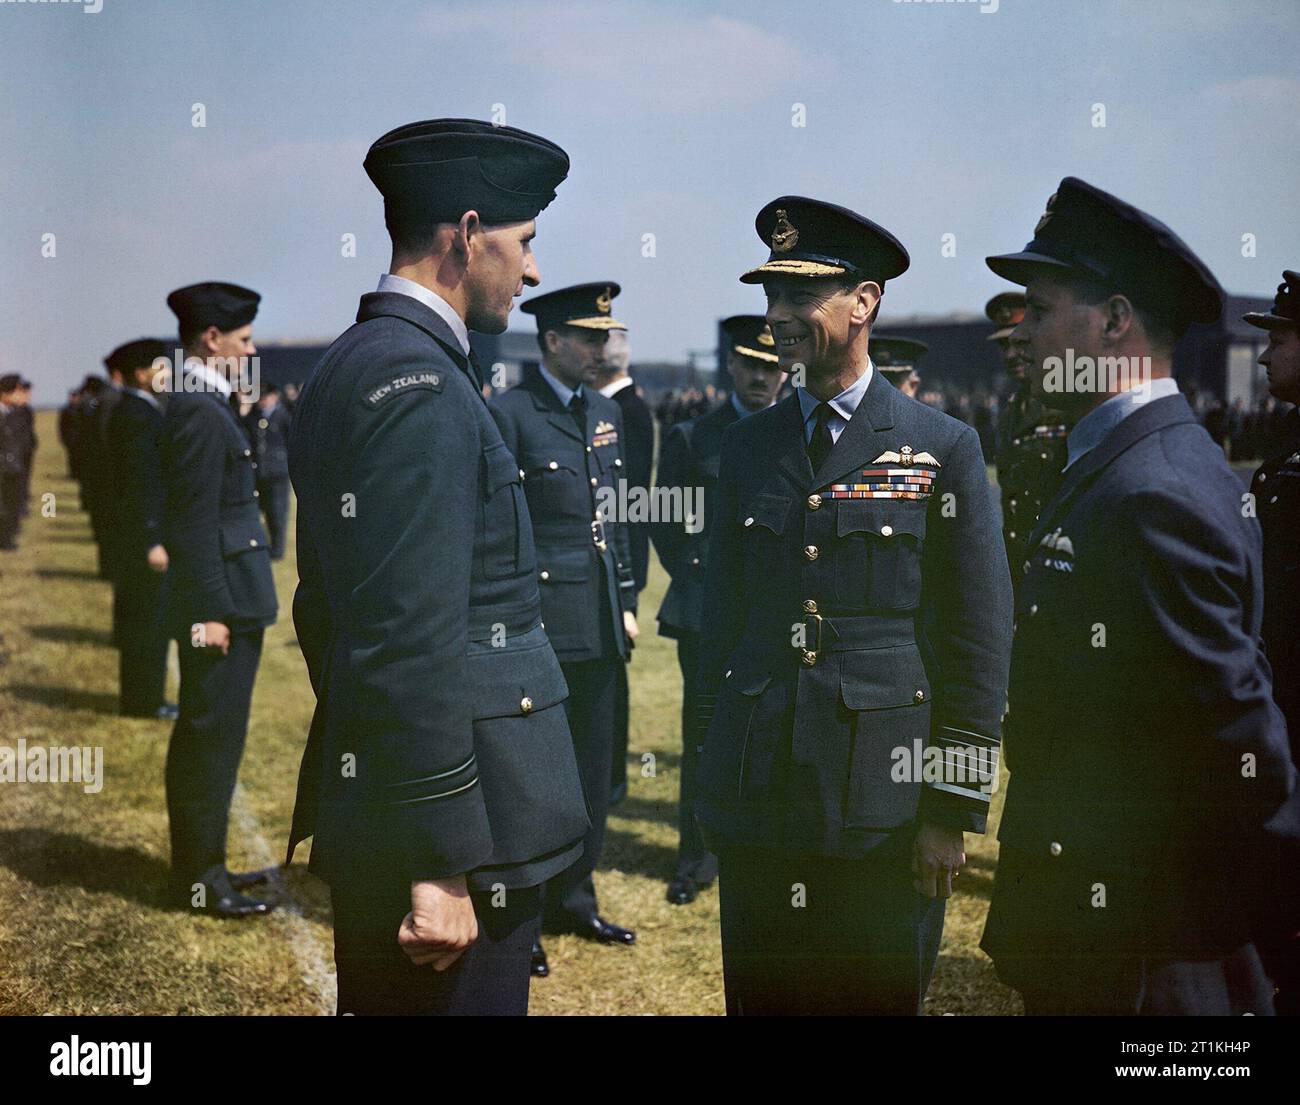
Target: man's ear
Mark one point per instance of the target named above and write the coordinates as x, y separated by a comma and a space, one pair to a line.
465, 240
552, 339
1119, 317
868, 295
209, 340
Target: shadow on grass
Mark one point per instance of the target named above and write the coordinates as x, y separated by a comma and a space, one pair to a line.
645, 809
68, 573
628, 852
72, 634
66, 698
48, 859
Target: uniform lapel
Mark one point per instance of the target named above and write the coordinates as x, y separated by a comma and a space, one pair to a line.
792, 455
864, 438
1154, 416
545, 399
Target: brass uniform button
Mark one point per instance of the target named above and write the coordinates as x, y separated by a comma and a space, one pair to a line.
887, 531
545, 576
1054, 848
809, 658
526, 704
553, 465
750, 520
810, 606
811, 552
814, 502
919, 696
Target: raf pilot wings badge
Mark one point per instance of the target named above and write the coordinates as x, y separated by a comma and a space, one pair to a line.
881, 481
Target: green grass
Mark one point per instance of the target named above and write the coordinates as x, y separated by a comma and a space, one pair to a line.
83, 924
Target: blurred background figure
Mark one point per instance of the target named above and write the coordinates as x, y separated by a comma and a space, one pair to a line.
897, 359
267, 426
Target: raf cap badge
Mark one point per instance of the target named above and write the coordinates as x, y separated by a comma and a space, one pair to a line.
784, 236
603, 302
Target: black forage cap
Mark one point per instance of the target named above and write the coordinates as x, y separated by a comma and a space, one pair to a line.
213, 303
810, 237
1286, 305
440, 168
1100, 236
750, 336
135, 354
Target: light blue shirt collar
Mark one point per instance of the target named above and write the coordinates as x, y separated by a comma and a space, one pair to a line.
561, 389
1092, 429
842, 406
399, 284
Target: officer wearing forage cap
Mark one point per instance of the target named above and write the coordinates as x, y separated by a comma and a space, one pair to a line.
1138, 690
568, 439
417, 606
1275, 491
219, 596
852, 623
897, 359
1030, 438
688, 465
134, 449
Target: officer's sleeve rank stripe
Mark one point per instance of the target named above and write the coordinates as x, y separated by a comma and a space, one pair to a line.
969, 764
400, 385
429, 788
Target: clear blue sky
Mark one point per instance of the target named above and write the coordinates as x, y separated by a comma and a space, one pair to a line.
932, 118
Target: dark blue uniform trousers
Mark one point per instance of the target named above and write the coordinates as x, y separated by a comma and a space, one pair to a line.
273, 497
206, 747
569, 900
808, 935
375, 977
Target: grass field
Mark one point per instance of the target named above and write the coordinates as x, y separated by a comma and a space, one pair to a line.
83, 925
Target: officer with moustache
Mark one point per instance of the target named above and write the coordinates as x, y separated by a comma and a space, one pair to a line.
567, 438
857, 620
1146, 754
688, 466
1030, 436
1275, 493
439, 780
135, 430
219, 596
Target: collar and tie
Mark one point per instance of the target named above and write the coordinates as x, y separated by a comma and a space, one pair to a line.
475, 369
821, 442
578, 408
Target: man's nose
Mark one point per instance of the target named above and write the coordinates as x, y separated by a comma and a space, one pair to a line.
531, 276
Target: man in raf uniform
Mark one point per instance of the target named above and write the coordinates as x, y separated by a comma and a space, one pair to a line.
11, 462
567, 438
268, 430
1029, 448
897, 359
219, 594
439, 779
853, 671
1145, 750
135, 450
1276, 495
638, 443
688, 466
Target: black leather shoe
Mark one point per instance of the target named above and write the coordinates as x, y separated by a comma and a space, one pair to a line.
221, 899
603, 932
540, 968
235, 904
682, 890
242, 880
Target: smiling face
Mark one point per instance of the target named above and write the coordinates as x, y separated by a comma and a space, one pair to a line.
501, 265
1281, 359
756, 382
814, 320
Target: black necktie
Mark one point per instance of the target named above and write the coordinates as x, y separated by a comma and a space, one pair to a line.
819, 445
578, 408
475, 369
